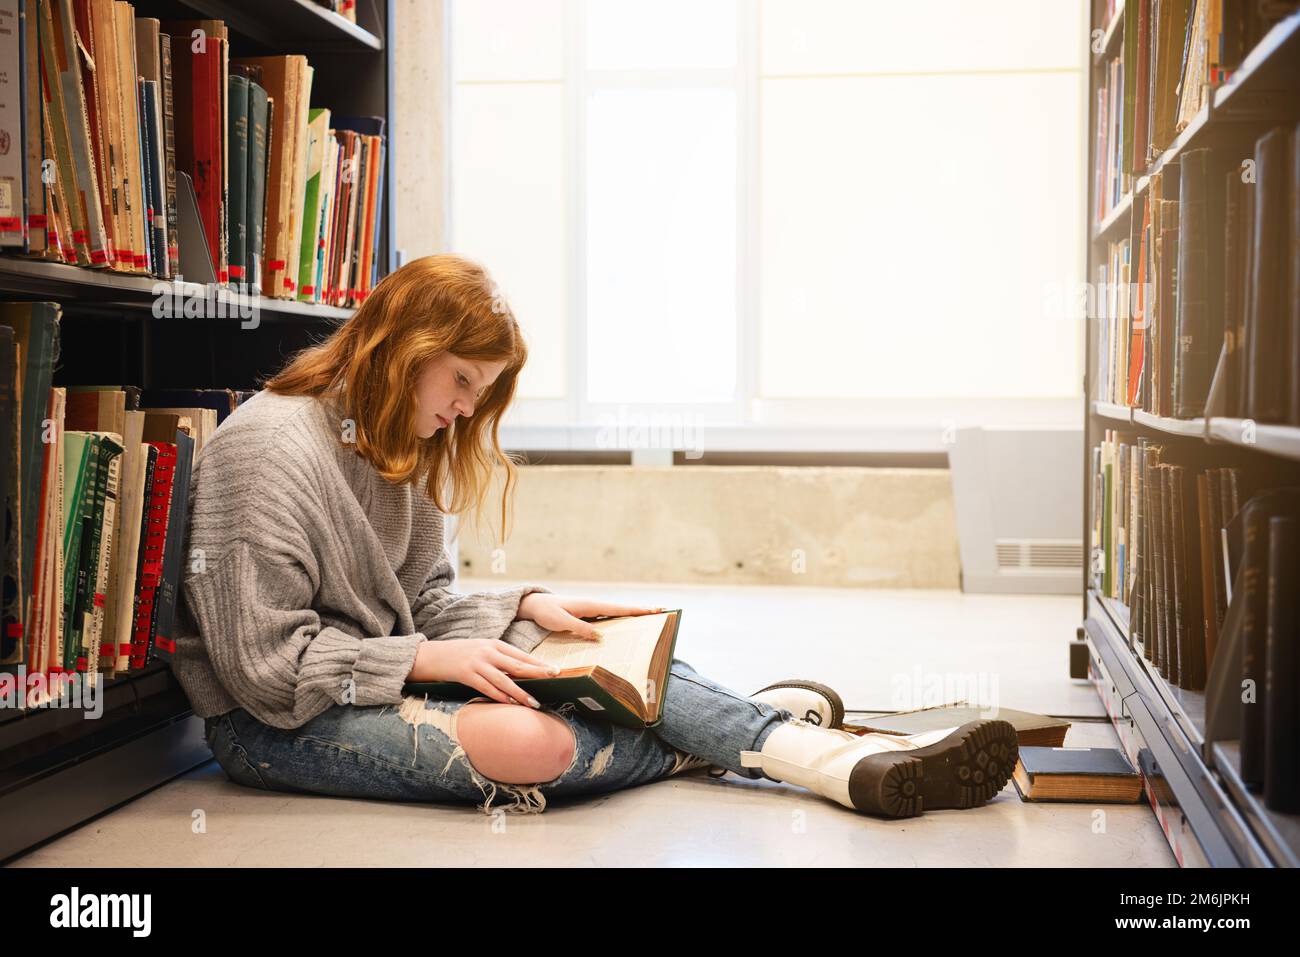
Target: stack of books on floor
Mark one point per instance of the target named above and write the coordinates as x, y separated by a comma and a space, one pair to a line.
144, 147
1202, 551
95, 519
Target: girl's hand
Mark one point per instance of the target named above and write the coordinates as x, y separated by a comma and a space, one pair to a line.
485, 664
564, 614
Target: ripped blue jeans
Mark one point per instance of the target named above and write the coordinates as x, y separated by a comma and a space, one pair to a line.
411, 752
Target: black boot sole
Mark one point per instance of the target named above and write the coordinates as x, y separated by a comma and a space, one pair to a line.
837, 704
963, 770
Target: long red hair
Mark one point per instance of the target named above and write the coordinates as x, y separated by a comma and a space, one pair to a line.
369, 365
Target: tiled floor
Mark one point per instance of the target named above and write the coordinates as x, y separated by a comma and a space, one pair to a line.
881, 650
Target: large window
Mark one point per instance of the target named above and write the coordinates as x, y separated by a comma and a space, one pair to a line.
761, 212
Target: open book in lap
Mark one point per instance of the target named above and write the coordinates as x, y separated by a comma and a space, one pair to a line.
620, 677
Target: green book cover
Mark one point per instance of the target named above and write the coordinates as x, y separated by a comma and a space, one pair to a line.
237, 170
92, 495
318, 125
107, 445
78, 490
259, 133
643, 644
1129, 82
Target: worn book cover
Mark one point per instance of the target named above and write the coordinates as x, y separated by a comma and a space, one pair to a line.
620, 677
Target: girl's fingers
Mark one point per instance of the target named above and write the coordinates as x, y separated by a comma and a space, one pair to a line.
581, 628
502, 681
520, 655
483, 686
618, 611
525, 669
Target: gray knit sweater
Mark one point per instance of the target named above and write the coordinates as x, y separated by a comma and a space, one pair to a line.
310, 579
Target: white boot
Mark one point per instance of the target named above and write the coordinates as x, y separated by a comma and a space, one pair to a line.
807, 700
892, 775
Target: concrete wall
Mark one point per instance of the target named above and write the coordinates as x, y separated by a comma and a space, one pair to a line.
850, 527
420, 159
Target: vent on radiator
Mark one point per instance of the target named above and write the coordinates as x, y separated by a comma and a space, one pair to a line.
1039, 555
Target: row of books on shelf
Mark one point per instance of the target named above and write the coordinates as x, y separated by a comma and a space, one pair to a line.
1174, 53
94, 485
142, 146
1203, 554
1200, 312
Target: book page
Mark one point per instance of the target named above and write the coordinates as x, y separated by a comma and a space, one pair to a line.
627, 648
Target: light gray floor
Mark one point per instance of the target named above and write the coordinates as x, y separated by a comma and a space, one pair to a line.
882, 650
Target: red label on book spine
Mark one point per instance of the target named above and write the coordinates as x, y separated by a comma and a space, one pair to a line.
11, 223
99, 256
99, 599
165, 643
309, 290
36, 221
80, 236
223, 276
275, 264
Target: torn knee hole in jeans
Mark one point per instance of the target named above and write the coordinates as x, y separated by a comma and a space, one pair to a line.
527, 799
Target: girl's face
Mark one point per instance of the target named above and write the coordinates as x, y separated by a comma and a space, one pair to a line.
448, 386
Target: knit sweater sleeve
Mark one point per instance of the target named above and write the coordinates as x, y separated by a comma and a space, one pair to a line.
440, 613
269, 648
260, 527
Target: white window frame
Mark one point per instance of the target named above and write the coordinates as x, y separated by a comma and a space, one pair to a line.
748, 422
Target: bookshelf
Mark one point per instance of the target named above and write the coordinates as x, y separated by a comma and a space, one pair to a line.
57, 768
1194, 786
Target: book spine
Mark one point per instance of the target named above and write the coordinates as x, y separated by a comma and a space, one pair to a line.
157, 189
95, 654
237, 207
85, 185
169, 154
1254, 624
1281, 757
162, 645
12, 231
11, 555
311, 203
1192, 356
146, 179
82, 509
151, 573
258, 144
36, 223
1268, 392
126, 649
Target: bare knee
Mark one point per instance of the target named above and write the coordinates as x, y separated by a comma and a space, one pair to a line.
513, 744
